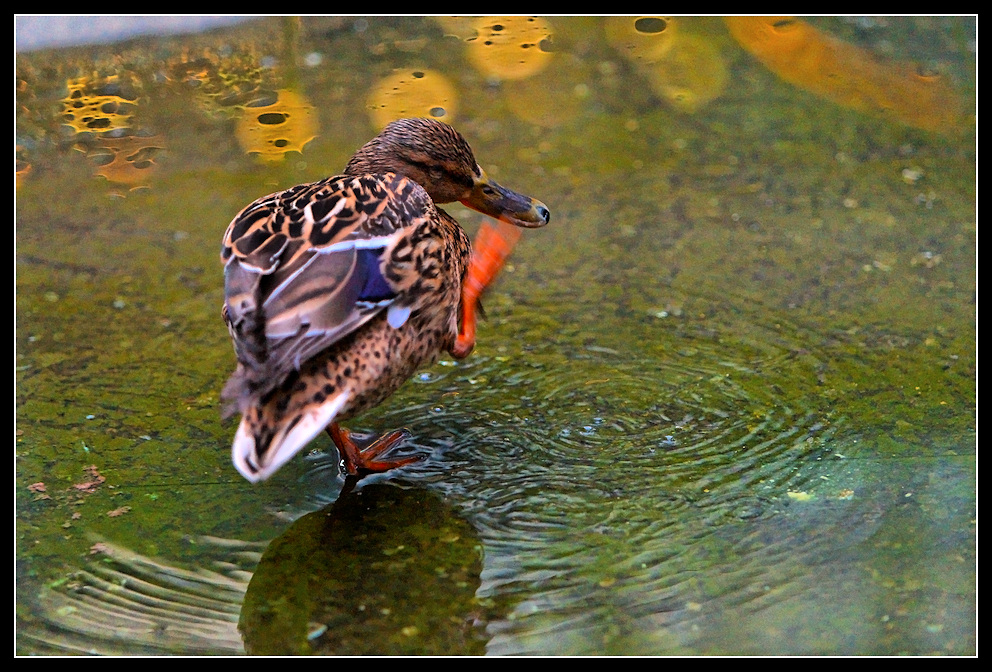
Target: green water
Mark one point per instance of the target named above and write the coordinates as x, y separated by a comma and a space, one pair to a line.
723, 404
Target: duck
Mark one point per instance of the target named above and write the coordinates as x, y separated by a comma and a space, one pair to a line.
337, 291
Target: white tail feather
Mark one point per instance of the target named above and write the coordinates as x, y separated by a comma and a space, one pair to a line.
284, 444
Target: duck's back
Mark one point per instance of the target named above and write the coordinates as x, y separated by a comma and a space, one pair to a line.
349, 275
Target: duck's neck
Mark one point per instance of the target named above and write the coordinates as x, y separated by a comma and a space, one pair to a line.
373, 157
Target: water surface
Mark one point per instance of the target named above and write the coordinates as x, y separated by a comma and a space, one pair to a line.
723, 404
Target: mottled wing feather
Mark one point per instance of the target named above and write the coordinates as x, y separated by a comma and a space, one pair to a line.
307, 266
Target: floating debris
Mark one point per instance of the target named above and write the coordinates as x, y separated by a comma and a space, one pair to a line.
96, 479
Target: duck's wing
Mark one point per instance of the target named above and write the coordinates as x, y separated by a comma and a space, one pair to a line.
308, 266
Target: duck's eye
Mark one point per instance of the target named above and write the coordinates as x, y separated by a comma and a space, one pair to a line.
436, 174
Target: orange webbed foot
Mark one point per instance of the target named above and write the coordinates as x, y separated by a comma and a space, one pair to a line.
489, 252
365, 460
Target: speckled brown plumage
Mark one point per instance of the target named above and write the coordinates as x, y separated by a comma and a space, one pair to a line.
337, 291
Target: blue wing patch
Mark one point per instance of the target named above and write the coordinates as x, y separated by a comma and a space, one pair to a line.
374, 288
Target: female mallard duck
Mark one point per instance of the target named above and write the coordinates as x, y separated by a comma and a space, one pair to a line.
335, 292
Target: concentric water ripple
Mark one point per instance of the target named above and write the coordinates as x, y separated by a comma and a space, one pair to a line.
609, 486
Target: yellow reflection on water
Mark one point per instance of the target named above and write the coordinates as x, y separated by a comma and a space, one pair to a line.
271, 131
510, 47
412, 92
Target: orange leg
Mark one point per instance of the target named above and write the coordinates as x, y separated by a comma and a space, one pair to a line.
490, 250
356, 460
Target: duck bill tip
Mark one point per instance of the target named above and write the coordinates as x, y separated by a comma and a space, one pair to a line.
535, 223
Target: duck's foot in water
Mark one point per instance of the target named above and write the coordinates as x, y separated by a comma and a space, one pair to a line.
365, 460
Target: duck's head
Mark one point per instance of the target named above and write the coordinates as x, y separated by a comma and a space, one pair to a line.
436, 156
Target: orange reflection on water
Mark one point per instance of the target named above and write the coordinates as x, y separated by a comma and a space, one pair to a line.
846, 74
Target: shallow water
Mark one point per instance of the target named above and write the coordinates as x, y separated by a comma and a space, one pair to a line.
723, 404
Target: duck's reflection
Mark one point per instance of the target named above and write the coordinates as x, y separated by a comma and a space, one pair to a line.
383, 570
